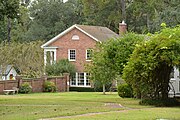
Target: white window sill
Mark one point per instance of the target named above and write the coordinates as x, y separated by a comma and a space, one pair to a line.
80, 86
88, 60
72, 60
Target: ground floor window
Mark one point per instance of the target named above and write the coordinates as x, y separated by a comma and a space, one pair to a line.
80, 80
87, 79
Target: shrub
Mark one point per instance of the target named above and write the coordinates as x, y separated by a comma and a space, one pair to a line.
81, 89
170, 102
49, 87
125, 91
62, 66
25, 88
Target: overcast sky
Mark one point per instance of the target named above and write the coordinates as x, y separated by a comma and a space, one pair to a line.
65, 0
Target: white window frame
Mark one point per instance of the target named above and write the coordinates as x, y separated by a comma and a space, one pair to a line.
87, 59
76, 77
69, 55
75, 37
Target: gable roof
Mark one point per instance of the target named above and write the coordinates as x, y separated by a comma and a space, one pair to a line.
97, 33
7, 70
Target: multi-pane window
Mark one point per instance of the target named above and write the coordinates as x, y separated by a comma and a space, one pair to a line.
73, 79
87, 79
72, 55
81, 79
88, 54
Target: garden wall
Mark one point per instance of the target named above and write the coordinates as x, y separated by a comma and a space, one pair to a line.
36, 83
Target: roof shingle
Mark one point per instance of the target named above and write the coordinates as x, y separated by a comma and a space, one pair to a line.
101, 33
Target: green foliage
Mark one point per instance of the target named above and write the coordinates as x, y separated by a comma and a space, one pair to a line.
125, 91
103, 13
110, 57
9, 9
49, 86
27, 57
51, 17
62, 66
81, 89
141, 16
148, 70
171, 102
98, 86
25, 88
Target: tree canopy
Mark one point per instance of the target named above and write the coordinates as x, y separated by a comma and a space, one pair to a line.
110, 57
26, 57
150, 65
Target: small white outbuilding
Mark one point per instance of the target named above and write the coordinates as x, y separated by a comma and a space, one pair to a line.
8, 73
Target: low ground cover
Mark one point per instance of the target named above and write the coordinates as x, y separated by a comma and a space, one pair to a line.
50, 105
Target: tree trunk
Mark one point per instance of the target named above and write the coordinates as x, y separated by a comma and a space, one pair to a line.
9, 31
163, 78
104, 89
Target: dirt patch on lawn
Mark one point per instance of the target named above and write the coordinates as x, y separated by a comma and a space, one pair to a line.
114, 105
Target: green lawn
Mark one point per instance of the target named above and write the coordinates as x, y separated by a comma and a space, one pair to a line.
48, 105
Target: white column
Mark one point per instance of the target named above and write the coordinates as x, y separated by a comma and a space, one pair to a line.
84, 79
45, 57
55, 56
51, 57
76, 79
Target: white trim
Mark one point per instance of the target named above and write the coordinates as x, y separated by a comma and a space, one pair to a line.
66, 31
51, 47
87, 34
80, 86
76, 78
53, 52
86, 55
69, 55
75, 37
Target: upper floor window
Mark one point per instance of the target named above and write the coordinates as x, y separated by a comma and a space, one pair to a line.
72, 55
75, 37
88, 54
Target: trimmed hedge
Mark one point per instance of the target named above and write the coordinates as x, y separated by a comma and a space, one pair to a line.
25, 88
125, 91
81, 89
49, 87
170, 102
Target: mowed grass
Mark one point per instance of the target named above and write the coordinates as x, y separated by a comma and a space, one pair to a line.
49, 105
142, 114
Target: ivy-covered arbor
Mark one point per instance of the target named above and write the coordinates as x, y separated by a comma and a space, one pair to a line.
149, 68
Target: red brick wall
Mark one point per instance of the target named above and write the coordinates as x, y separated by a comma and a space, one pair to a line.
65, 42
37, 84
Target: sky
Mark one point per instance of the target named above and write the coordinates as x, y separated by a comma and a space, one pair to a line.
65, 0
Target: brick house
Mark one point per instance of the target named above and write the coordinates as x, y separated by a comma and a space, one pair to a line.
75, 44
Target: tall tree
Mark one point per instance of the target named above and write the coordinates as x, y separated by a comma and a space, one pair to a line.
111, 57
9, 10
27, 57
51, 17
103, 13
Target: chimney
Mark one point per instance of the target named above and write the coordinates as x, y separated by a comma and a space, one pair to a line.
122, 28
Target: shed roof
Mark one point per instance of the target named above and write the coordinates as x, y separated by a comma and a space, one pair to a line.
7, 70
